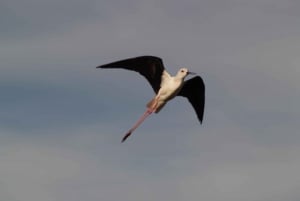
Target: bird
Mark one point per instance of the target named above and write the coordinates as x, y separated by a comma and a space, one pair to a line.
165, 86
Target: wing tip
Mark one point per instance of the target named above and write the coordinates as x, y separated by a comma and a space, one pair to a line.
103, 67
200, 120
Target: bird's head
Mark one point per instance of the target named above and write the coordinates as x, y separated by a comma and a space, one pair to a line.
183, 72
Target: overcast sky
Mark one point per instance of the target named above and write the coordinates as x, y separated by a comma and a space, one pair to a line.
62, 120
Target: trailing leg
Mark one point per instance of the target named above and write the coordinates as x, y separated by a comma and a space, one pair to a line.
145, 115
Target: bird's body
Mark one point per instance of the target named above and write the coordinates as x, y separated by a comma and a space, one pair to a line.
165, 86
169, 88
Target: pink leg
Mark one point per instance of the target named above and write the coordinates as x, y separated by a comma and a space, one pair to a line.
145, 115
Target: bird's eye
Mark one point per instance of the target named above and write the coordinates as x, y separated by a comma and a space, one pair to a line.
182, 71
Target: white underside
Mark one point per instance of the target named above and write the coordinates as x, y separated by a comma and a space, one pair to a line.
170, 86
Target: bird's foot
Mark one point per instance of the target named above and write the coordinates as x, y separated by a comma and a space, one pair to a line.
126, 136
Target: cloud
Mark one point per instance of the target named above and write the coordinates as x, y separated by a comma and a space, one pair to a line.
224, 166
62, 120
245, 172
35, 18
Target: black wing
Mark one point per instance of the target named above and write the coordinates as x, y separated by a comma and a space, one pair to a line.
194, 91
149, 66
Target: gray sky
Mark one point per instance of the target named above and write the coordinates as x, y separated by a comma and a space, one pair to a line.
62, 120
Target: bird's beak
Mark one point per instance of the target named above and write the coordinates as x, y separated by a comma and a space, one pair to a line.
192, 73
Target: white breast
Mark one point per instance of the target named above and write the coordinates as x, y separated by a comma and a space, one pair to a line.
169, 88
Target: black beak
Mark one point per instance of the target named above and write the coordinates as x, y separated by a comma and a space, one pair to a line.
192, 73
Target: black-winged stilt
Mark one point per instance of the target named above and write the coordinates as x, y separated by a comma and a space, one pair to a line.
164, 85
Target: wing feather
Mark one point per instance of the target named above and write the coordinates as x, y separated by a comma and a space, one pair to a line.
194, 90
150, 67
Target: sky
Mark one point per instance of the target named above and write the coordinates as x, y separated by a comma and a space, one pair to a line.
62, 120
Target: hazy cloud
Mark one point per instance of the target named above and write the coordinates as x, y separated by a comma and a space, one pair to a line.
61, 119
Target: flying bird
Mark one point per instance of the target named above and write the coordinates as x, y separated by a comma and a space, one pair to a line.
164, 85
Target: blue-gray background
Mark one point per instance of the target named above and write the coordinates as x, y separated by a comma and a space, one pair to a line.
61, 120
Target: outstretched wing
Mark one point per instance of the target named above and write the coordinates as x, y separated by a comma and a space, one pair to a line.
149, 66
194, 91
